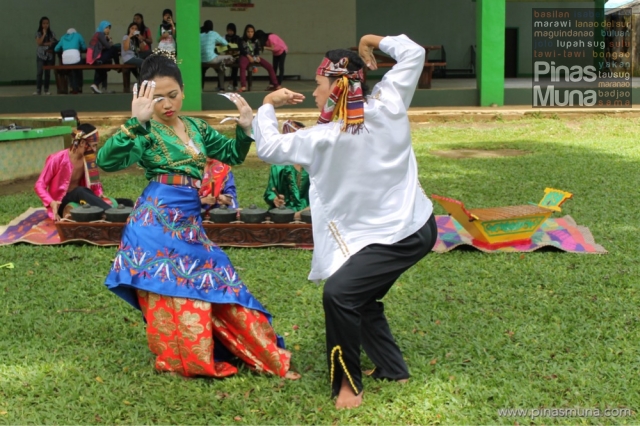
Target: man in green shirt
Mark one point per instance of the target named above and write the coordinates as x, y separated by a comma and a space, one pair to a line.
288, 185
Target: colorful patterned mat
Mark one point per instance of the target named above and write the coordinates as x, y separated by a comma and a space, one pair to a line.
34, 227
562, 233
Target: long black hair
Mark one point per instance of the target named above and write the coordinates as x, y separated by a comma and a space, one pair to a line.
262, 37
141, 27
244, 34
355, 62
159, 65
207, 27
134, 40
40, 26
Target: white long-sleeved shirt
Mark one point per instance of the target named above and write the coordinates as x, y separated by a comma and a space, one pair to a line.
364, 188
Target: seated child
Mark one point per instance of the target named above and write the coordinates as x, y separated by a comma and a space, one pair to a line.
218, 186
71, 176
288, 185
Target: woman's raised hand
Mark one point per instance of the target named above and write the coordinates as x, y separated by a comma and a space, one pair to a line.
246, 113
143, 102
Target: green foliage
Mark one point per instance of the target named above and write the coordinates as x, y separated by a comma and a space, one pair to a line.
480, 332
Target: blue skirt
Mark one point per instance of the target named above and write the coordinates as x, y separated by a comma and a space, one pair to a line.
165, 250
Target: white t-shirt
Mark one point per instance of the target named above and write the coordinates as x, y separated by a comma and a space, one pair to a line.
71, 56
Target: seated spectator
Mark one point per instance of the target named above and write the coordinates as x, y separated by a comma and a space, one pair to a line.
233, 40
288, 185
131, 46
277, 46
101, 51
145, 32
208, 41
218, 186
250, 54
72, 176
72, 45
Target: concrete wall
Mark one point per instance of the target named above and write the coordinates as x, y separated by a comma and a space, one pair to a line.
449, 23
20, 23
519, 16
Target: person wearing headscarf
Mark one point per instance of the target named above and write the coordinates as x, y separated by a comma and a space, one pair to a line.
288, 184
371, 218
71, 176
101, 51
72, 45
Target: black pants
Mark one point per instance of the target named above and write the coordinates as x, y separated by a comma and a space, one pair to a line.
354, 315
234, 76
47, 74
76, 78
278, 66
100, 76
85, 194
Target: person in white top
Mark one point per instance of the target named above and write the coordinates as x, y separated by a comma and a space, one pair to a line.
371, 219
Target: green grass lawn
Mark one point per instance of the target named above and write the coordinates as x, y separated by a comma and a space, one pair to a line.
480, 332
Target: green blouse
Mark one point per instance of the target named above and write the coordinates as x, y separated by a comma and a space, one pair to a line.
158, 149
292, 184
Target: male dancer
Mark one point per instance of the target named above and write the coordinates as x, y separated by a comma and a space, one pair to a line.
72, 176
371, 219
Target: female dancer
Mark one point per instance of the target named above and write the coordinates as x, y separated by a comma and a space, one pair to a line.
190, 295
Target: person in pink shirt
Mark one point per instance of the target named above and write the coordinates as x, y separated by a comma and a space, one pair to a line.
71, 176
278, 47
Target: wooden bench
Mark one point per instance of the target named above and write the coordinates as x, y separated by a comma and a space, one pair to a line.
385, 61
62, 74
221, 76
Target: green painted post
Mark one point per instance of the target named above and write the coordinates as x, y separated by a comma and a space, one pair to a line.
490, 29
188, 41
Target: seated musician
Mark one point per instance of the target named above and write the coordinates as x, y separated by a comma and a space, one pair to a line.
288, 185
71, 177
218, 186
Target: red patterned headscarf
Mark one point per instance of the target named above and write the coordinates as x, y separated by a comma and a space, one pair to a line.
346, 101
91, 138
214, 177
92, 174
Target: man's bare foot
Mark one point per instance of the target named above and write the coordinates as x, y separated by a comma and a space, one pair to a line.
370, 372
346, 398
292, 375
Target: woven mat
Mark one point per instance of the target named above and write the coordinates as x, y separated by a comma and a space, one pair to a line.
35, 227
562, 233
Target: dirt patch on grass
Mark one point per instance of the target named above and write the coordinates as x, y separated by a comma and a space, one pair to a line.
479, 153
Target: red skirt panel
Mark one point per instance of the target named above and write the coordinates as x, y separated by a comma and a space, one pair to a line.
181, 334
